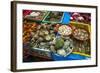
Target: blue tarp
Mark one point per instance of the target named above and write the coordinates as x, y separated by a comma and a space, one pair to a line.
66, 18
69, 57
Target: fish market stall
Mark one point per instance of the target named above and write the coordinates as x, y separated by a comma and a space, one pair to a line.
56, 36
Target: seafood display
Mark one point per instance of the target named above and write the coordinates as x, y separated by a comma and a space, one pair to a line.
81, 17
54, 17
65, 30
34, 15
43, 40
81, 34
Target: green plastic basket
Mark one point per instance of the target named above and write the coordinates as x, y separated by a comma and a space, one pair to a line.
54, 22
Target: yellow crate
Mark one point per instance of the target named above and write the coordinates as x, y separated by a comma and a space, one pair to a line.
87, 27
